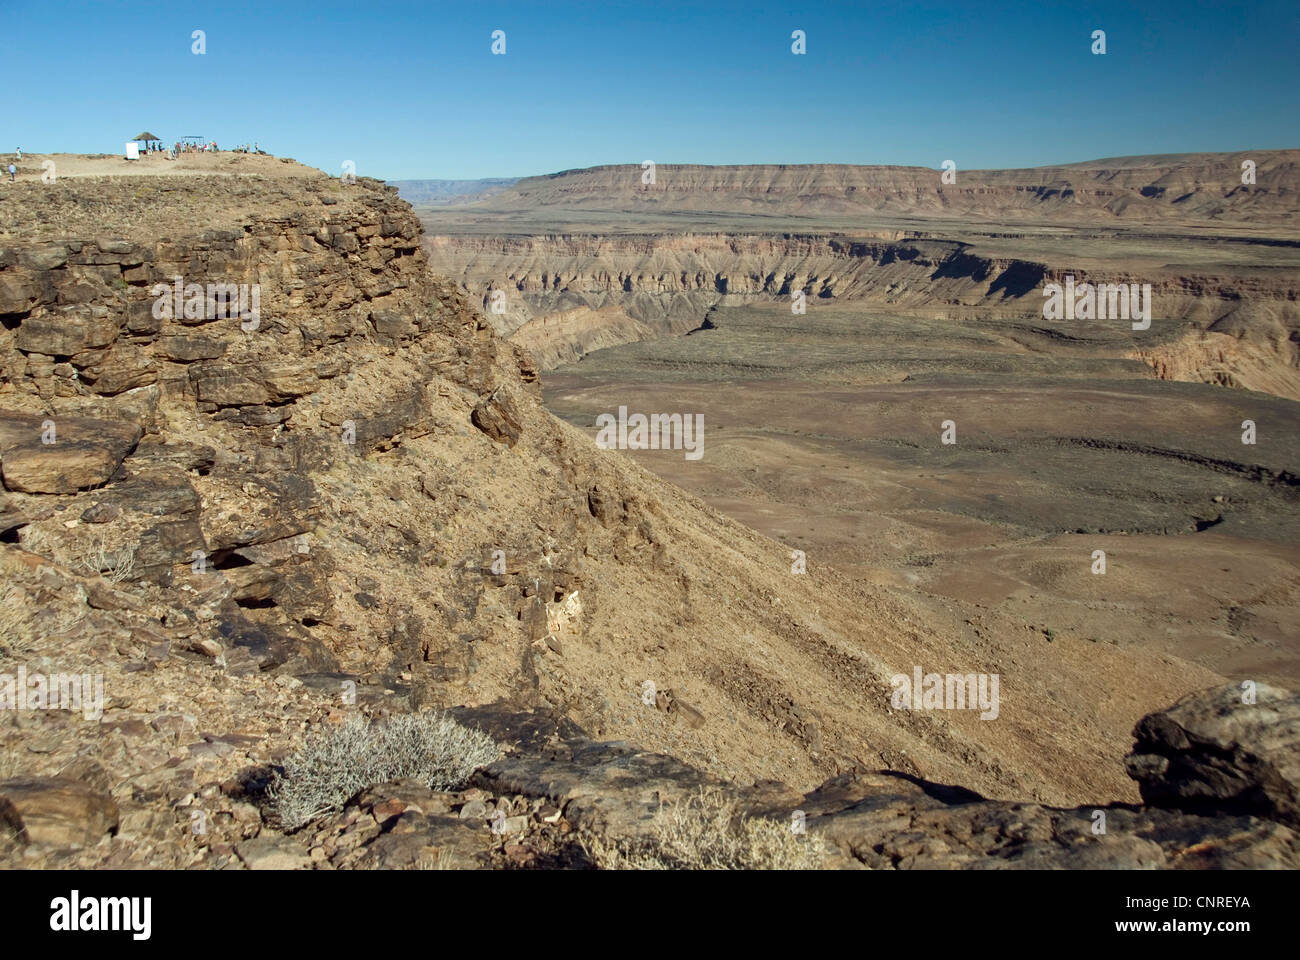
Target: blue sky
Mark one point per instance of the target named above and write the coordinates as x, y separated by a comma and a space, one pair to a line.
412, 90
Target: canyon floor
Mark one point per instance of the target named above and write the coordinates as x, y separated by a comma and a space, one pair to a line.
824, 433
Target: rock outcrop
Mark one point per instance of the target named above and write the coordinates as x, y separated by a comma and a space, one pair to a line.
56, 812
1228, 751
64, 455
558, 792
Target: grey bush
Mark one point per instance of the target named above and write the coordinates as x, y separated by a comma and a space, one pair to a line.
335, 764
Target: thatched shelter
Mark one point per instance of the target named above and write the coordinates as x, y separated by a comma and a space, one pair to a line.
151, 140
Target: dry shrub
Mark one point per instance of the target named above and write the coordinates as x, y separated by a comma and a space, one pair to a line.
114, 566
707, 832
336, 763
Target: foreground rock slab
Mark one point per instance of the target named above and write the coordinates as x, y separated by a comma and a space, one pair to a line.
62, 454
56, 812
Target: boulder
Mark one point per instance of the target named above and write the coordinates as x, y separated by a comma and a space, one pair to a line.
101, 513
84, 454
497, 417
49, 256
20, 292
390, 323
119, 372
606, 505
272, 853
56, 811
226, 385
183, 349
1213, 752
140, 318
178, 453
609, 788
65, 334
288, 378
166, 545
155, 490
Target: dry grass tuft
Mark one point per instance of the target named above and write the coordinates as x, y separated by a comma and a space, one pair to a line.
707, 832
88, 557
114, 566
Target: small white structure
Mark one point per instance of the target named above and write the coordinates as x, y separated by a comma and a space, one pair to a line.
132, 150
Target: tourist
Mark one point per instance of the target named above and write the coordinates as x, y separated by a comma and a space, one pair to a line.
12, 172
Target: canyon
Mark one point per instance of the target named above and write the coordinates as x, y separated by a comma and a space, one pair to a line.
827, 322
592, 258
373, 503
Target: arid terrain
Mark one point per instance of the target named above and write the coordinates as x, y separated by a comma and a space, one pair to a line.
364, 500
923, 304
592, 258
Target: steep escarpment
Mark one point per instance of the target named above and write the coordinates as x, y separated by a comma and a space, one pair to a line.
1212, 187
565, 295
1251, 358
588, 258
346, 497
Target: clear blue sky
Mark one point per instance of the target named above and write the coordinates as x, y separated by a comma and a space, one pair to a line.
412, 90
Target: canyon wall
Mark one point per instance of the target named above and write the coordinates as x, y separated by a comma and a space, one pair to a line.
566, 295
1175, 188
595, 257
